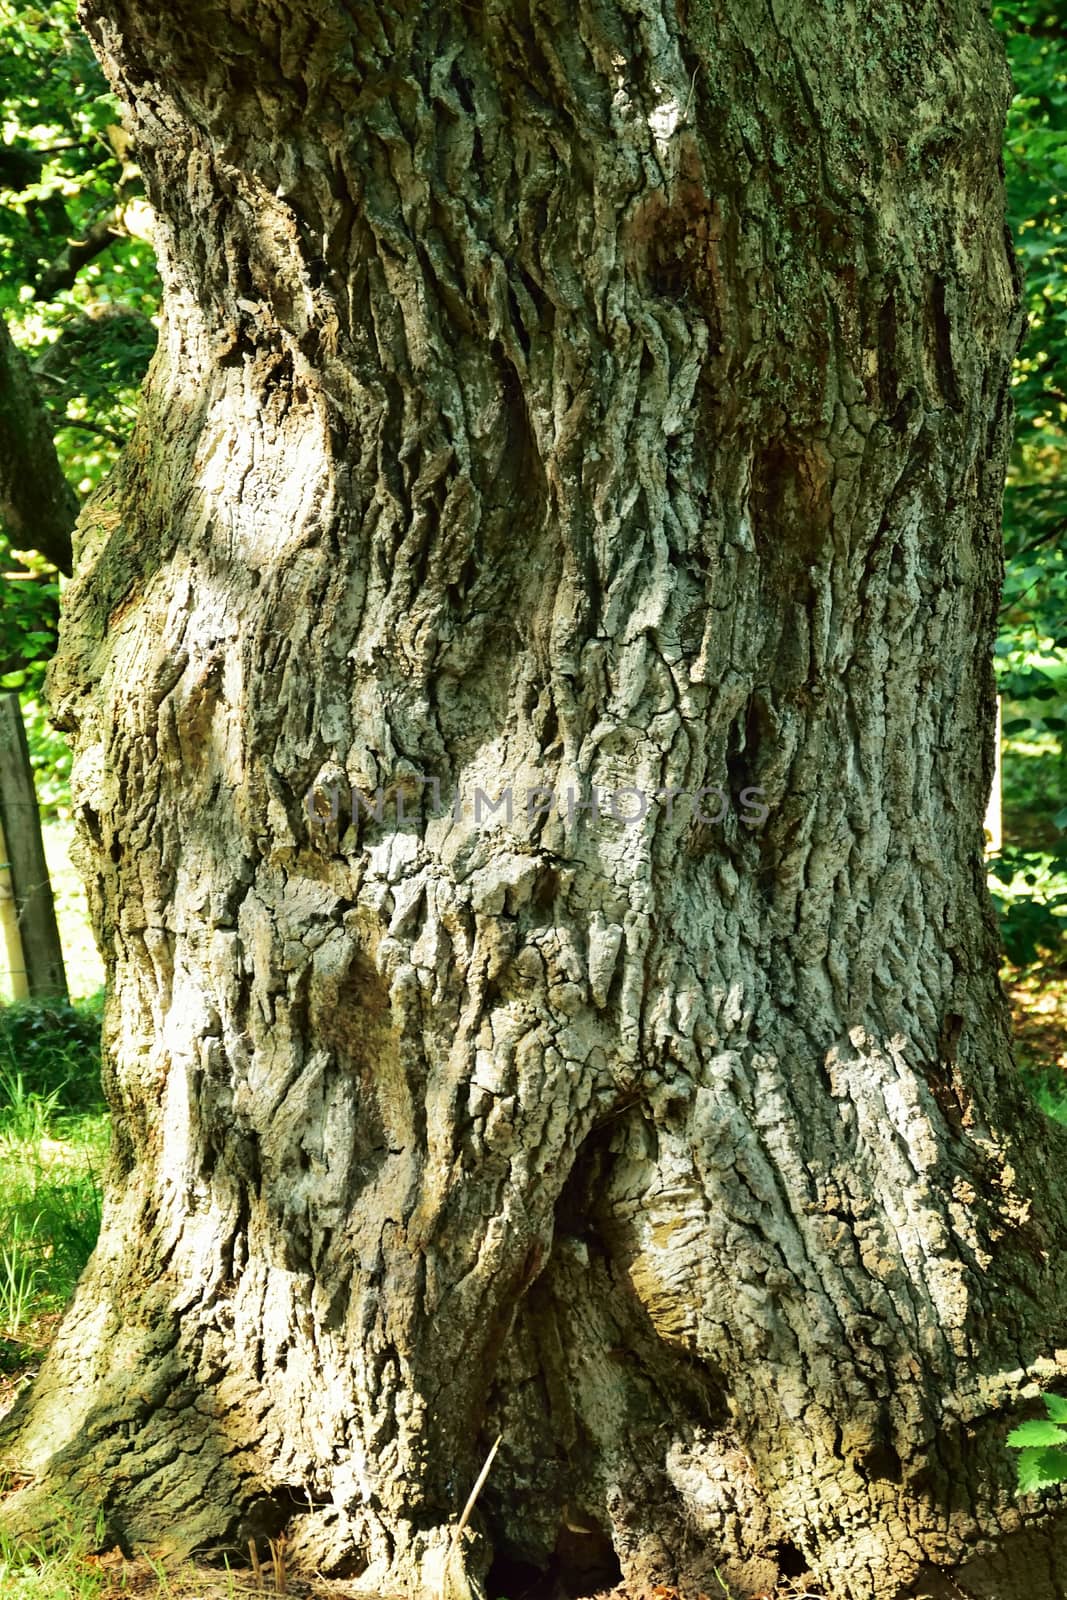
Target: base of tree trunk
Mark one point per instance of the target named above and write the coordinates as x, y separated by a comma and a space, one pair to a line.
619, 1460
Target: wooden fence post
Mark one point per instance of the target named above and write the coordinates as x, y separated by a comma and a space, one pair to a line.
20, 821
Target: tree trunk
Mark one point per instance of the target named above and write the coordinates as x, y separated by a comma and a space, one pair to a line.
23, 845
559, 399
37, 504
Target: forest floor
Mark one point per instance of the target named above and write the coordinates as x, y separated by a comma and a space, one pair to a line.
1039, 1013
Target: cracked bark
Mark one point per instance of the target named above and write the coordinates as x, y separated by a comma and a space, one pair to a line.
603, 397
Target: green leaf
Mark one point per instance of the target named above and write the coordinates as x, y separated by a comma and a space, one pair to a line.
1056, 1406
1036, 1434
1039, 1469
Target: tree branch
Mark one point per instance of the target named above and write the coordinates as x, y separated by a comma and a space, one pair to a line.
1049, 534
101, 232
92, 427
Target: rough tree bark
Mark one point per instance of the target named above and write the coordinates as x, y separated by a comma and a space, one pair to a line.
567, 397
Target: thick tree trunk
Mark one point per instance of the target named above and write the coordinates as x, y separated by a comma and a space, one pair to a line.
578, 399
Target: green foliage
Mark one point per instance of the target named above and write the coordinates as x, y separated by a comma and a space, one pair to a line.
1030, 895
1035, 162
1042, 1446
1049, 1089
1034, 622
62, 163
1032, 647
29, 605
88, 331
55, 1049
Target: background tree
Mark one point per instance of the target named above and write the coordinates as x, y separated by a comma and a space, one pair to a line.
690, 1161
1031, 871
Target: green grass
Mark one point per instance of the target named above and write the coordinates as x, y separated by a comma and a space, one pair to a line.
53, 1144
60, 1571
